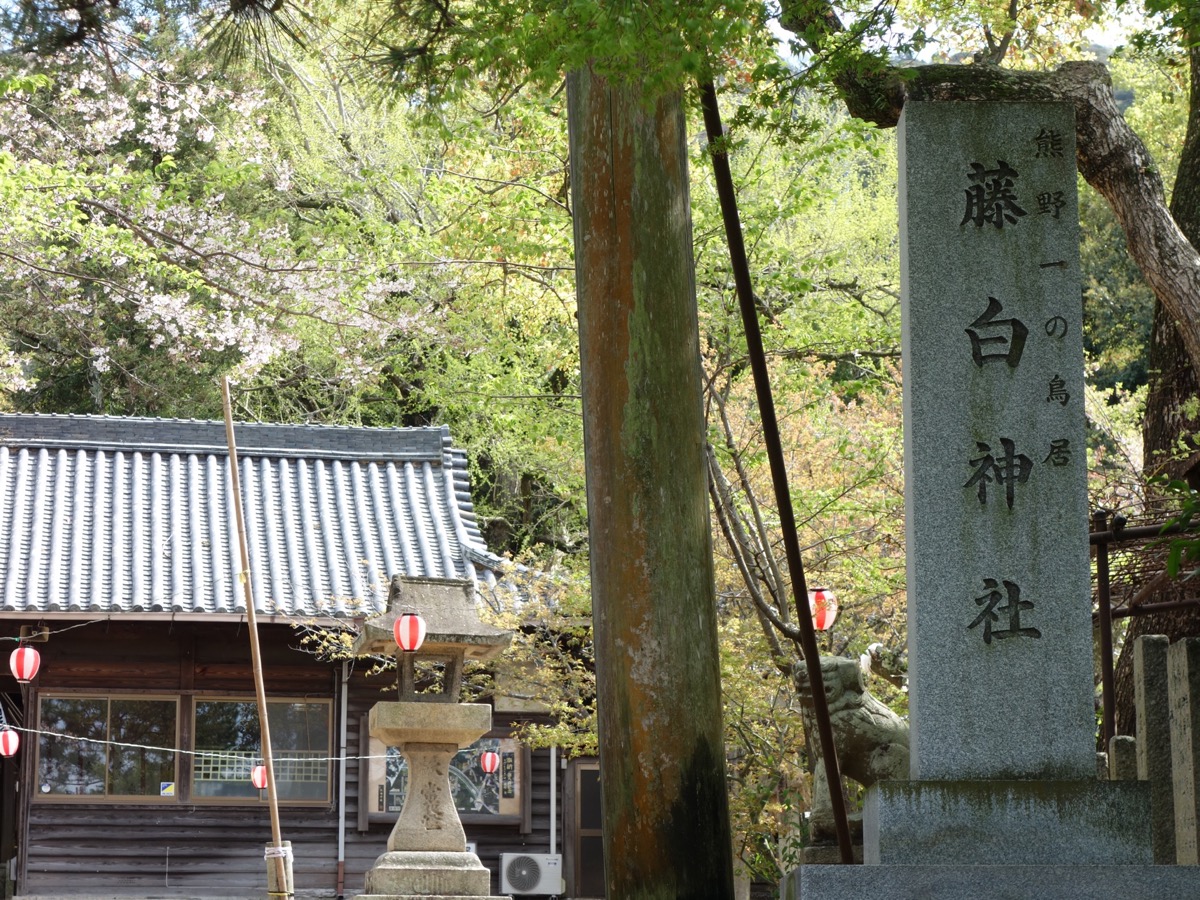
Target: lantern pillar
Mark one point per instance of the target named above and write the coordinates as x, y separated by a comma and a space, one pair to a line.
428, 735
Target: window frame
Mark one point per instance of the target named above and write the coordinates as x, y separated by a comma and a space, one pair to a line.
259, 800
184, 749
106, 798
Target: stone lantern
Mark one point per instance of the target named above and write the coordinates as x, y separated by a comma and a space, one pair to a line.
427, 849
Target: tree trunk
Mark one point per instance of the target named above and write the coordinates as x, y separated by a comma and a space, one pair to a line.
666, 820
1170, 418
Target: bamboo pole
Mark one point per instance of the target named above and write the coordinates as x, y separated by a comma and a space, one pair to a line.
281, 882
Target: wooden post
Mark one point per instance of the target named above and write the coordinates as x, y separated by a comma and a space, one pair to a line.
666, 819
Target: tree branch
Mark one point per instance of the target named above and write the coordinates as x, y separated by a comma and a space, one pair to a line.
1109, 155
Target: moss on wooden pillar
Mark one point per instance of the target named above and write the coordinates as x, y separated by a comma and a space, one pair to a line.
661, 749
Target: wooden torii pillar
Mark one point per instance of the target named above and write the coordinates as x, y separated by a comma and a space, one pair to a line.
666, 819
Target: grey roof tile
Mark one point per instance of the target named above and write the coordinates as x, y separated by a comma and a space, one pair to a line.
133, 515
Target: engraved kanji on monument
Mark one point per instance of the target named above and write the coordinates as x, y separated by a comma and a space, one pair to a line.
998, 575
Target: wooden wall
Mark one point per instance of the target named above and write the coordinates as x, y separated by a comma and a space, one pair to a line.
178, 849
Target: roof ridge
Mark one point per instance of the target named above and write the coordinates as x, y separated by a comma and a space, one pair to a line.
150, 435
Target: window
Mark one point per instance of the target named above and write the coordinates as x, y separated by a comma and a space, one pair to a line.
97, 747
478, 796
228, 746
117, 747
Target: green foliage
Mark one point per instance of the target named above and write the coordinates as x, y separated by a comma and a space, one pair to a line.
1172, 24
1020, 33
551, 664
767, 757
664, 45
1183, 553
1114, 418
26, 84
1118, 304
827, 292
344, 261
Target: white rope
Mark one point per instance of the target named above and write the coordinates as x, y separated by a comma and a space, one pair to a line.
231, 754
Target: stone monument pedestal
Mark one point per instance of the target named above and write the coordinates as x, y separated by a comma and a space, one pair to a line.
991, 882
1039, 823
1001, 840
427, 850
401, 874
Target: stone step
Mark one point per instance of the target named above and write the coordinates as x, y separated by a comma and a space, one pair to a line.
992, 882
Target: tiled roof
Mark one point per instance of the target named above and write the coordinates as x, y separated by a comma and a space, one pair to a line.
113, 515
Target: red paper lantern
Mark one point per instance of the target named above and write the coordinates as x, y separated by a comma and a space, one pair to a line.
409, 632
24, 663
489, 761
823, 607
10, 741
258, 777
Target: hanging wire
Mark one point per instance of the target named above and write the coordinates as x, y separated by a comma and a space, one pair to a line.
230, 754
49, 634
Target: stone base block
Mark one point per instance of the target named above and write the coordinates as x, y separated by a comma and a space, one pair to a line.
402, 873
991, 882
987, 823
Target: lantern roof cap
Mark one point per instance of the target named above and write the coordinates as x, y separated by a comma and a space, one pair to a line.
452, 624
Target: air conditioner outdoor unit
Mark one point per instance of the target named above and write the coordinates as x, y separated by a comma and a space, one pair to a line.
531, 873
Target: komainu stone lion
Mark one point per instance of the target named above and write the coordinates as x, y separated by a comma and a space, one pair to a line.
871, 740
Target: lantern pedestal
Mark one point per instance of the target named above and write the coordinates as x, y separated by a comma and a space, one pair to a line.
427, 849
408, 874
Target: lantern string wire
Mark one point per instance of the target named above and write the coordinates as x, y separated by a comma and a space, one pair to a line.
231, 754
20, 640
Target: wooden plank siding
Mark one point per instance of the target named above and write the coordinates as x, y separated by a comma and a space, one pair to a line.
166, 848
77, 849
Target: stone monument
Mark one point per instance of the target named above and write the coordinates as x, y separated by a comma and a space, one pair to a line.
427, 853
1003, 800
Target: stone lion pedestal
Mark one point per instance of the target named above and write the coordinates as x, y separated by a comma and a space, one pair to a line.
427, 854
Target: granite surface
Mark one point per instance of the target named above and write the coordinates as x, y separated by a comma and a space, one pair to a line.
1011, 882
990, 822
999, 599
1183, 683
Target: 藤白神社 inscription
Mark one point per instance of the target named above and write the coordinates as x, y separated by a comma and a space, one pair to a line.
999, 596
